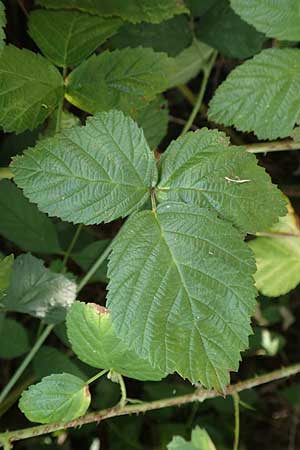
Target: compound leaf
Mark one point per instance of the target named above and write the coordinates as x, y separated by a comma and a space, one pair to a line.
135, 11
124, 79
14, 339
68, 37
37, 291
278, 257
58, 397
89, 174
183, 273
171, 36
30, 88
6, 265
95, 342
278, 19
22, 223
201, 168
221, 28
261, 95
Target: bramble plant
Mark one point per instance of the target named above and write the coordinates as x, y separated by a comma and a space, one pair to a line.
87, 117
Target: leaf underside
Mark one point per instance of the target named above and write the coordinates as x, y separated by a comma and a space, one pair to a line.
95, 342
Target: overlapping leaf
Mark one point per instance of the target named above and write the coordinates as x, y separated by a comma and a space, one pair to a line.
278, 257
276, 18
153, 119
37, 291
183, 274
14, 339
261, 95
221, 28
22, 223
68, 37
171, 36
189, 63
123, 79
95, 342
201, 168
134, 11
30, 88
59, 397
89, 174
5, 273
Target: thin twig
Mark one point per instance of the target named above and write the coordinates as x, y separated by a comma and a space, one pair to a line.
198, 395
236, 403
276, 146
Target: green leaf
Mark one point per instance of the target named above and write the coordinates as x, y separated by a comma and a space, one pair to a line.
261, 95
6, 265
13, 338
57, 398
95, 342
221, 28
200, 441
68, 37
2, 25
37, 291
124, 79
135, 11
49, 360
189, 63
22, 223
171, 36
67, 120
153, 119
278, 19
201, 168
89, 174
278, 257
183, 273
30, 88
89, 255
199, 7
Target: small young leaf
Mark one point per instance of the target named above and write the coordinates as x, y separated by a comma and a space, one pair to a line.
261, 95
22, 223
153, 119
89, 255
171, 36
68, 37
59, 397
37, 291
2, 25
189, 63
30, 88
278, 257
89, 174
200, 441
221, 28
6, 265
14, 339
201, 168
135, 11
49, 360
187, 275
278, 19
124, 79
95, 342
